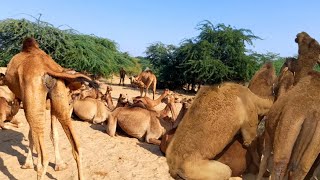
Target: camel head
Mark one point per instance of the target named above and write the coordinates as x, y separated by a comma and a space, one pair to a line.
109, 89
308, 45
2, 79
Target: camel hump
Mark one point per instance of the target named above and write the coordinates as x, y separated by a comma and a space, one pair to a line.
29, 43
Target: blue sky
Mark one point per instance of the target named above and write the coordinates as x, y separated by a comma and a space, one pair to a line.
135, 24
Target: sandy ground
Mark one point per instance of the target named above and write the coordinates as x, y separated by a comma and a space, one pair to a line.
104, 157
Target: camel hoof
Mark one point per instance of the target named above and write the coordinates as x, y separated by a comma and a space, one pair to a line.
27, 166
61, 167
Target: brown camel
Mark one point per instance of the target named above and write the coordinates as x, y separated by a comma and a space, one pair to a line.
292, 123
122, 73
91, 110
149, 103
148, 78
140, 122
32, 75
7, 112
217, 114
91, 93
166, 138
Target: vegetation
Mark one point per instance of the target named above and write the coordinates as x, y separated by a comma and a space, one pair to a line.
70, 49
219, 53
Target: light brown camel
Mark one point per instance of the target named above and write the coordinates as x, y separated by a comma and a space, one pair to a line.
91, 93
149, 103
140, 122
91, 110
148, 79
7, 112
166, 138
32, 75
217, 114
292, 123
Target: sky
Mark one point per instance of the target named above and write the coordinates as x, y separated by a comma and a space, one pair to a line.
136, 24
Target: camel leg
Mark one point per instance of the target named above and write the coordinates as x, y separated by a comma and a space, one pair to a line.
285, 137
141, 91
205, 170
249, 132
154, 87
308, 157
34, 107
265, 156
153, 141
60, 109
29, 160
147, 88
111, 126
59, 164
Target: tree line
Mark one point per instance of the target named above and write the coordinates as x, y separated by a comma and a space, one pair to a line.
218, 53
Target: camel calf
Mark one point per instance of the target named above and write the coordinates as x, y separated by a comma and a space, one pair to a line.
7, 111
217, 114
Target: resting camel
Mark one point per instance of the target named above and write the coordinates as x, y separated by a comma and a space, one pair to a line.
91, 110
216, 115
92, 93
7, 111
292, 123
140, 122
122, 73
149, 103
147, 78
32, 75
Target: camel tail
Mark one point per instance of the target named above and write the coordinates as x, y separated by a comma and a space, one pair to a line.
77, 77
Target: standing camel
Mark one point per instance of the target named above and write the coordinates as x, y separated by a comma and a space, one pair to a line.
148, 79
32, 75
122, 73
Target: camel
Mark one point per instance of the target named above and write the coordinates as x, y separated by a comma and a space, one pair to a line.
91, 110
7, 112
166, 138
147, 78
217, 114
149, 103
122, 73
291, 126
92, 93
140, 122
32, 75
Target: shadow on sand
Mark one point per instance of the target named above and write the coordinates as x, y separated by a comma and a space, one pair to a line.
8, 140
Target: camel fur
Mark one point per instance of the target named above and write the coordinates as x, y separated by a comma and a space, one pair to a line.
148, 79
91, 110
122, 73
32, 75
7, 112
149, 103
140, 122
292, 123
217, 114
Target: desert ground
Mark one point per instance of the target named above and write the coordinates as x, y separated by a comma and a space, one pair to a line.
104, 157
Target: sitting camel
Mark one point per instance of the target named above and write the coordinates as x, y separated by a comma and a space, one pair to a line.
147, 78
91, 110
7, 112
140, 122
216, 115
32, 75
149, 103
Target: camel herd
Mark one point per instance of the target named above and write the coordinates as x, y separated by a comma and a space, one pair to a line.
268, 128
